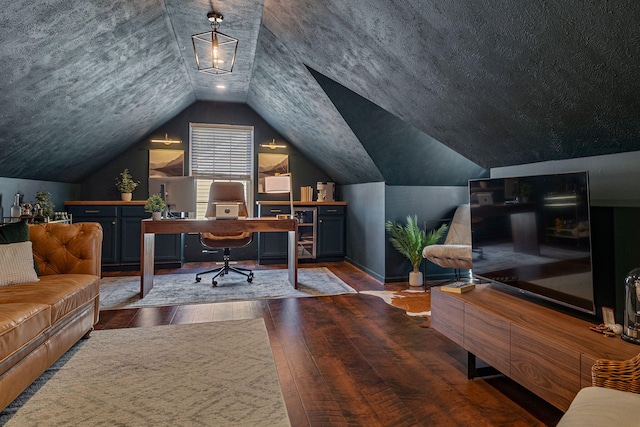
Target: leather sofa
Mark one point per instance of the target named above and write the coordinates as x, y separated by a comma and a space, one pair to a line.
41, 320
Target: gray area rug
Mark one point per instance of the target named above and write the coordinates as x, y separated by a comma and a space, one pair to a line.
177, 289
207, 374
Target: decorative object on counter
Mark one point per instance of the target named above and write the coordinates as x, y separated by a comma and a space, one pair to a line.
16, 210
458, 287
280, 184
631, 329
306, 194
326, 191
409, 239
126, 185
156, 206
43, 198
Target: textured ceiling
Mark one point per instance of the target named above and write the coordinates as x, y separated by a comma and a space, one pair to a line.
499, 83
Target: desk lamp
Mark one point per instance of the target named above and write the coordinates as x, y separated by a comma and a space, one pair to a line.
279, 184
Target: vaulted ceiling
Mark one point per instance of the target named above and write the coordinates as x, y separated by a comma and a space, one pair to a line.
367, 89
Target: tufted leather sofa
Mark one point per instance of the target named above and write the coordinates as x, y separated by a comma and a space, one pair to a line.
40, 321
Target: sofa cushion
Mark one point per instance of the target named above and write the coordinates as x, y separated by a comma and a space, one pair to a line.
599, 406
16, 232
20, 324
16, 264
63, 292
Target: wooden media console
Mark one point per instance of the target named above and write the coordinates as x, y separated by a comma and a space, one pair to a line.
546, 351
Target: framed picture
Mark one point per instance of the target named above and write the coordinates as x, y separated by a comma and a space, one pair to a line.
270, 165
608, 316
163, 163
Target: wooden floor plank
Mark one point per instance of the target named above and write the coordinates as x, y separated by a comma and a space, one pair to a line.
353, 360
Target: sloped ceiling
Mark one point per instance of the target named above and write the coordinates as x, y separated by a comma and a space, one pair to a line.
498, 83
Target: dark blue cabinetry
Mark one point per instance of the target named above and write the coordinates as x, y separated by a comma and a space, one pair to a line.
121, 235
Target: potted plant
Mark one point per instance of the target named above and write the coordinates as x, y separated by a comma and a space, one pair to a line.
155, 205
409, 239
43, 199
525, 191
126, 185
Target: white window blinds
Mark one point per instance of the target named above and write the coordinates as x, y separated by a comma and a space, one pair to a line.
221, 152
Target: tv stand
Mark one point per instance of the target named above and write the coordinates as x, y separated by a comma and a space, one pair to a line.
546, 351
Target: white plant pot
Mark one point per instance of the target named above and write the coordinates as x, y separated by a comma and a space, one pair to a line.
156, 215
126, 197
415, 279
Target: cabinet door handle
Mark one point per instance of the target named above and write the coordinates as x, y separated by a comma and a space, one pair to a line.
276, 210
332, 210
90, 211
320, 221
113, 223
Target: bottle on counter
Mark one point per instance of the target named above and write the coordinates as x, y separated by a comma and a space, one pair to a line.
16, 210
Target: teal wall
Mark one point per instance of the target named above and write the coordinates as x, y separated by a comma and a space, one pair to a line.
365, 226
431, 205
101, 184
28, 188
371, 205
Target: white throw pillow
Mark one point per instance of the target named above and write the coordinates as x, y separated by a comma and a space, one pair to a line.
16, 264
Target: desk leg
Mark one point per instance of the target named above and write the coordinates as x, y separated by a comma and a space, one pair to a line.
146, 263
292, 261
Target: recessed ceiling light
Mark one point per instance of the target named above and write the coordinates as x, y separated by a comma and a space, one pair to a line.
221, 86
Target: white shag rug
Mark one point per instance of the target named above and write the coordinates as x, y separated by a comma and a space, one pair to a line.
206, 374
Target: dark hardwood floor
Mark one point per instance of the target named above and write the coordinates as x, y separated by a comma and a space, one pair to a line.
353, 360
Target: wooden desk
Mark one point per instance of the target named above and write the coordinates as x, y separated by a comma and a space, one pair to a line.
175, 226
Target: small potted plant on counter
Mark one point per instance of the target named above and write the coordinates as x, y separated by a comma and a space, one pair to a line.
43, 199
126, 185
409, 239
156, 206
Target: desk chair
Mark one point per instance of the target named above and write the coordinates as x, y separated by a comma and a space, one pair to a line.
456, 251
225, 192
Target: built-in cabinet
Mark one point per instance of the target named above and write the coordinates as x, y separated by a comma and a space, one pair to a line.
321, 231
545, 350
121, 234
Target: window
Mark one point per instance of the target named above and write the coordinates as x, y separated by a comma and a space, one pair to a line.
220, 153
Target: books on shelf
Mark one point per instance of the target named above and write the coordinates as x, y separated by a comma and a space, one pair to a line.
458, 287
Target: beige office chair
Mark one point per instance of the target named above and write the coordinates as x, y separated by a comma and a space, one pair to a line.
456, 251
225, 192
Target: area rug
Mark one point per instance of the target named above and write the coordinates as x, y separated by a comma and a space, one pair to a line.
206, 374
178, 289
413, 302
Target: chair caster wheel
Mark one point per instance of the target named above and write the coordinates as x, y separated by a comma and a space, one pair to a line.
198, 279
250, 278
214, 283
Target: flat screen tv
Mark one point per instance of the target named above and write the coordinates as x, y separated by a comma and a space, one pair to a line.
179, 192
533, 234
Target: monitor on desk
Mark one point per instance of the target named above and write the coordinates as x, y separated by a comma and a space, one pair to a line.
178, 192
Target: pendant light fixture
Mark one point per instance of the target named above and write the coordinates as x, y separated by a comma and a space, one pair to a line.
215, 52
